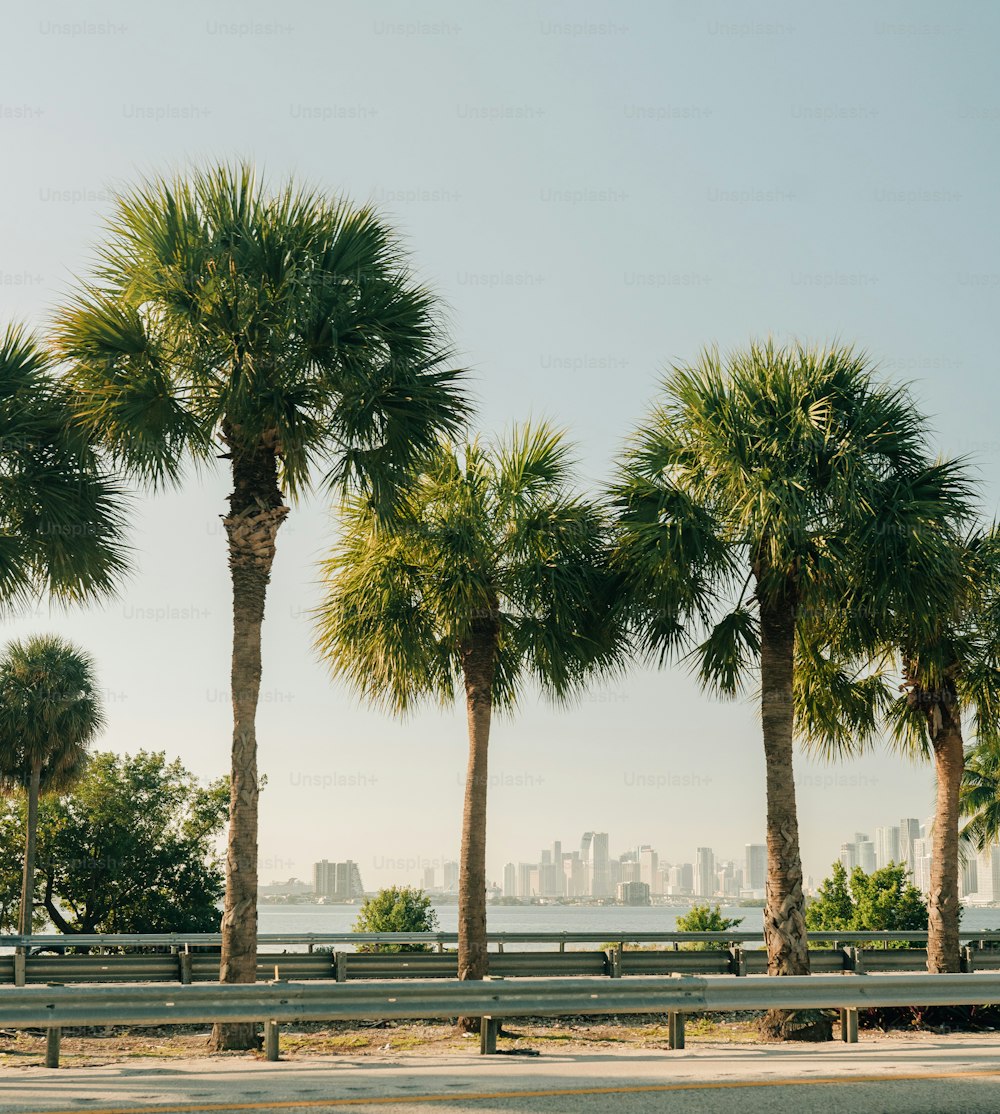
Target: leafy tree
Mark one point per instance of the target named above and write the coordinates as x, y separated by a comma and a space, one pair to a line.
397, 909
766, 489
883, 901
130, 848
706, 918
493, 573
832, 907
61, 515
50, 712
283, 333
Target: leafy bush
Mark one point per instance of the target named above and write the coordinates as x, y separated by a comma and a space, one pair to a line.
883, 901
396, 909
705, 918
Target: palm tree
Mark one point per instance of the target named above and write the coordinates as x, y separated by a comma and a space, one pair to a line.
945, 664
50, 712
979, 798
60, 513
494, 572
760, 492
283, 333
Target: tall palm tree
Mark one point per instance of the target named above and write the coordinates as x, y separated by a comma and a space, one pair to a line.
493, 573
283, 333
944, 663
763, 488
50, 712
61, 524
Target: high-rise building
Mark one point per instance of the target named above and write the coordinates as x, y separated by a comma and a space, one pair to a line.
848, 856
968, 878
866, 855
649, 870
527, 880
337, 881
922, 864
450, 885
510, 880
755, 867
600, 874
988, 872
886, 846
428, 878
632, 893
909, 832
704, 872
681, 879
575, 873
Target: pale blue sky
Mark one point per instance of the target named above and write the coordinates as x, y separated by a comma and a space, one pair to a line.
595, 190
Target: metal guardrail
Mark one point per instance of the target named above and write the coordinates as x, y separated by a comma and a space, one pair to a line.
214, 939
54, 1008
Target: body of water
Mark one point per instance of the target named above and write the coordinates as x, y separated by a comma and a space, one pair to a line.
609, 920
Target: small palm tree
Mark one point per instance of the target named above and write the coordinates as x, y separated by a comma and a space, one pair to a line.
763, 490
50, 712
283, 333
61, 515
494, 572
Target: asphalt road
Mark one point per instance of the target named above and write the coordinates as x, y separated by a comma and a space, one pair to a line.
925, 1075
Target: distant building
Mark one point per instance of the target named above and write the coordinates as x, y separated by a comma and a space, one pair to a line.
600, 873
510, 880
450, 881
988, 876
337, 881
633, 893
922, 864
575, 875
886, 847
704, 872
848, 856
428, 878
755, 867
866, 855
968, 879
909, 833
527, 880
649, 870
680, 880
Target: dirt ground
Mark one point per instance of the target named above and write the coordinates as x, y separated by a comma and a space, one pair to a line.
99, 1047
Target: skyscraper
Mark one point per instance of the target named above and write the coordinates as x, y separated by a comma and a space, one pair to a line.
704, 872
909, 832
886, 846
755, 867
510, 880
866, 855
848, 856
600, 875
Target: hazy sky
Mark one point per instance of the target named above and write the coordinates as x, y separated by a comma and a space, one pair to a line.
595, 190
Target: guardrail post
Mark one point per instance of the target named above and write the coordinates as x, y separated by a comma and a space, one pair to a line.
849, 1026
488, 1029
53, 1038
184, 959
615, 961
340, 966
857, 959
738, 960
968, 959
19, 967
675, 1030
271, 1032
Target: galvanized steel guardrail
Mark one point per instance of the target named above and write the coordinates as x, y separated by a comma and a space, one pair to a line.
55, 1007
314, 939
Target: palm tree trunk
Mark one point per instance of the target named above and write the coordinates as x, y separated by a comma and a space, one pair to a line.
784, 910
256, 513
27, 909
478, 665
943, 948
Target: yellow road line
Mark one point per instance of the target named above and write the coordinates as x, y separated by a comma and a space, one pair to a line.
484, 1096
